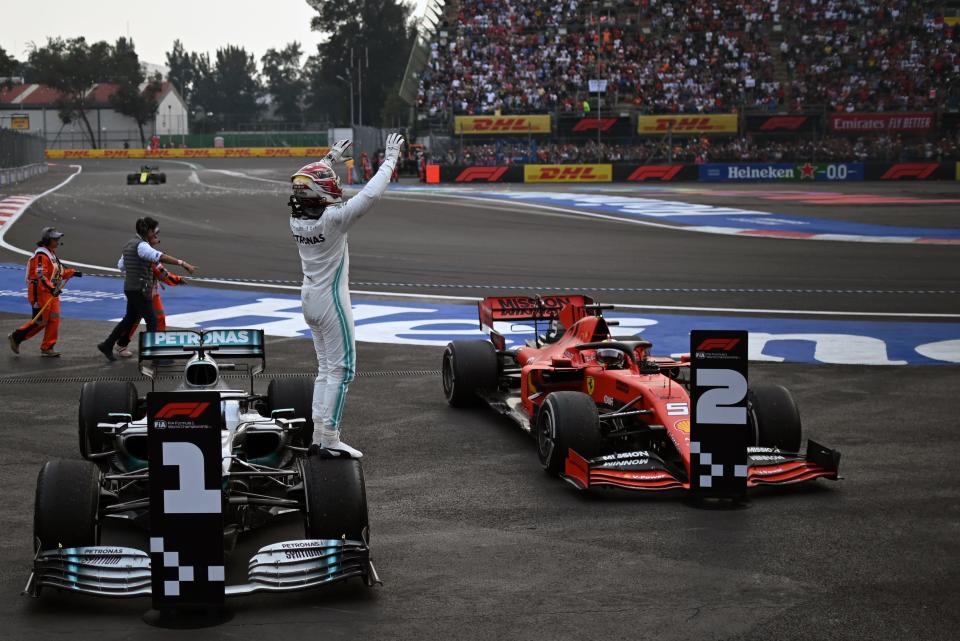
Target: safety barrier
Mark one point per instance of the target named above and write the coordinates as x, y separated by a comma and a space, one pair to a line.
711, 172
16, 174
207, 152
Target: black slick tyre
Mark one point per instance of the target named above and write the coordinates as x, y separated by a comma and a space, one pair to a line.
66, 505
335, 499
774, 417
296, 393
163, 179
567, 421
98, 399
468, 367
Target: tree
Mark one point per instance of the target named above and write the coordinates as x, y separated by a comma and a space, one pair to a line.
72, 67
183, 71
128, 99
285, 81
9, 67
370, 38
237, 86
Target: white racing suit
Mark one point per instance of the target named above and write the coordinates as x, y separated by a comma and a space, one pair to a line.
326, 298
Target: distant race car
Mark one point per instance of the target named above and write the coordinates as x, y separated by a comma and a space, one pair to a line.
266, 476
603, 411
148, 175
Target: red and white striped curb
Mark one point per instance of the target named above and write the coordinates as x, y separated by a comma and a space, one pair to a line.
12, 207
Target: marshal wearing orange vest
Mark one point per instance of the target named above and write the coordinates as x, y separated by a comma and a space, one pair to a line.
46, 277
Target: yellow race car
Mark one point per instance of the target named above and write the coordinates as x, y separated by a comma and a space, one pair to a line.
148, 175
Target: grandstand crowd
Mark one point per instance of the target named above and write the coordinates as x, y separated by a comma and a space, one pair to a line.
702, 150
692, 56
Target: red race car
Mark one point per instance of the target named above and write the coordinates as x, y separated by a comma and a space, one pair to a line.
604, 411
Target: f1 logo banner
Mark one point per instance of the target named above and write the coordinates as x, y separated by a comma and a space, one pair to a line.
718, 393
186, 514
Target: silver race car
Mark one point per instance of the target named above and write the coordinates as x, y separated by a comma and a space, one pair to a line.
266, 476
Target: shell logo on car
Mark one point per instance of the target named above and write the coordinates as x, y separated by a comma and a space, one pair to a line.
567, 173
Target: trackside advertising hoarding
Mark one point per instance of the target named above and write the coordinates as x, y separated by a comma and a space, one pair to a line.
682, 125
764, 172
493, 174
590, 127
567, 173
858, 123
782, 123
206, 152
499, 125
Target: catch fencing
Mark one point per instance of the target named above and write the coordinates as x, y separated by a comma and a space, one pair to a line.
21, 156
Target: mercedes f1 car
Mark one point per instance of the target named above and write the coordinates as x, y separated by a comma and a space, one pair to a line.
603, 411
148, 175
266, 476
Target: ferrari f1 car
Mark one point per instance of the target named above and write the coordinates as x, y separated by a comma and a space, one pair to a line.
148, 175
603, 411
266, 476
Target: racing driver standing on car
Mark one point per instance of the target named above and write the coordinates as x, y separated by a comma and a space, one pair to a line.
319, 222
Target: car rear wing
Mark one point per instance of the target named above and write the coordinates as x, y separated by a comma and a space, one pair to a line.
183, 344
567, 309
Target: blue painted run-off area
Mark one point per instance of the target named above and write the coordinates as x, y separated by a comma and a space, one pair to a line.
413, 323
690, 214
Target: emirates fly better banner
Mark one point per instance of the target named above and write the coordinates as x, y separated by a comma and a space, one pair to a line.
864, 123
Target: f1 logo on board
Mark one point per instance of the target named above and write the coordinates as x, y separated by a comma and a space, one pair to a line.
917, 171
594, 124
655, 172
725, 344
790, 123
189, 410
486, 174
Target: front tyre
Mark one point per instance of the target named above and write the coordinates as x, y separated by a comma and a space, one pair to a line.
468, 367
567, 421
336, 499
98, 399
66, 505
773, 415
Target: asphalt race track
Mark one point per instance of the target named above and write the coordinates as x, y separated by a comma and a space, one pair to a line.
472, 540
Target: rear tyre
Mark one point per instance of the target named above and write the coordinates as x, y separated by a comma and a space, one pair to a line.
336, 499
567, 421
774, 417
298, 394
163, 179
468, 367
97, 400
66, 505
131, 179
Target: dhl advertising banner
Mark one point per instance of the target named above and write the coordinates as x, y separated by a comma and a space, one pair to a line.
209, 152
498, 125
567, 173
687, 124
857, 123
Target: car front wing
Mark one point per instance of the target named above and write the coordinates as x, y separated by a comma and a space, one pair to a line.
125, 572
644, 470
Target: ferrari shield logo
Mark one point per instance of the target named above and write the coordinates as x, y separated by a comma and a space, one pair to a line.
590, 385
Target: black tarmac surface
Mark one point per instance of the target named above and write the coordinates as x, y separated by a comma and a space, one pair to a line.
472, 540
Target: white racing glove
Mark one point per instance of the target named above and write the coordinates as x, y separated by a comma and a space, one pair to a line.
335, 155
394, 143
